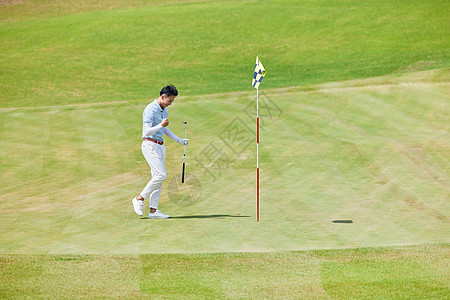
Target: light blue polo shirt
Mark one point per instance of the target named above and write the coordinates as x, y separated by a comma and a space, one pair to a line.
154, 114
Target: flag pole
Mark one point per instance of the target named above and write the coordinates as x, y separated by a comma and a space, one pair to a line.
257, 154
258, 75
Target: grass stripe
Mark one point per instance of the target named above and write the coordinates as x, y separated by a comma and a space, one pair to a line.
399, 272
121, 54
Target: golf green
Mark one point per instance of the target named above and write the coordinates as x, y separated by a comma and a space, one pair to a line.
327, 153
354, 149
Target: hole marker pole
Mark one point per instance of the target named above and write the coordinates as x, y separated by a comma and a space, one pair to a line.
258, 75
257, 154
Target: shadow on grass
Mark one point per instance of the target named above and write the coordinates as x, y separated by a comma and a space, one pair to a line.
217, 216
342, 221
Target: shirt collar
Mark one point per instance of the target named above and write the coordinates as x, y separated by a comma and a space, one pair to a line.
159, 106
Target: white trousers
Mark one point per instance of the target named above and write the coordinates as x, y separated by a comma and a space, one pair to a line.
156, 157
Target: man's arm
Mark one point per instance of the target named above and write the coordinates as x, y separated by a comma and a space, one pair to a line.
149, 130
180, 141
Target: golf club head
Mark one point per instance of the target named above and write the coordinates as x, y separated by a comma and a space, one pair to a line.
184, 122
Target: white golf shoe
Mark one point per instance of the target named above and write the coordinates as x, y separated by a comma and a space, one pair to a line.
157, 215
138, 206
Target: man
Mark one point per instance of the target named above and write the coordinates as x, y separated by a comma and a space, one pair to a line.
155, 125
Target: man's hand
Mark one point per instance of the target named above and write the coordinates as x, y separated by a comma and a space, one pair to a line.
183, 142
164, 123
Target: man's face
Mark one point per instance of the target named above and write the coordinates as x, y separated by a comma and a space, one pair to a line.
167, 100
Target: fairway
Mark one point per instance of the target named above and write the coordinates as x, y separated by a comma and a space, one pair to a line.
354, 149
417, 272
93, 53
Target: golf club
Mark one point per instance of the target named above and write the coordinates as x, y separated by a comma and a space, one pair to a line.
184, 153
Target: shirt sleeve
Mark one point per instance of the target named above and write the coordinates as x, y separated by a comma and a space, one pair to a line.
148, 116
170, 134
149, 130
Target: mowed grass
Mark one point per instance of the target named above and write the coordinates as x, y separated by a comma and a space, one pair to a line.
354, 149
373, 151
86, 52
419, 272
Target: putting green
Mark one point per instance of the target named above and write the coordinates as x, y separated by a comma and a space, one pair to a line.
372, 151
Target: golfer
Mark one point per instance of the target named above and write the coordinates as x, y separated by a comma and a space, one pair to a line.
155, 125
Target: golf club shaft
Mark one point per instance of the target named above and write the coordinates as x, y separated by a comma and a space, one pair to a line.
182, 175
184, 154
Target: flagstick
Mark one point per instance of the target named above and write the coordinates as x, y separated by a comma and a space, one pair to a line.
257, 154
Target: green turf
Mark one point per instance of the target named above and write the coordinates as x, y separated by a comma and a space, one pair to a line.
419, 272
373, 151
129, 52
354, 149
